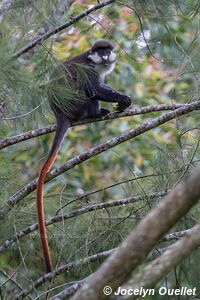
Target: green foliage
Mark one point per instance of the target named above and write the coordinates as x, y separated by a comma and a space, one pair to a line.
62, 91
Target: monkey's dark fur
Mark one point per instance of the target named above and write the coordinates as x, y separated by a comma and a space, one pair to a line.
98, 62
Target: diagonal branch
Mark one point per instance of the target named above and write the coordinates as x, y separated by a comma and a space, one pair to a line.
127, 113
61, 27
58, 11
92, 152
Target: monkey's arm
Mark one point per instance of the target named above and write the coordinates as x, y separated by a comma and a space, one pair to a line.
62, 126
105, 93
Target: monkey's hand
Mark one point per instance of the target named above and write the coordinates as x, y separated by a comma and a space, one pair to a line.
124, 102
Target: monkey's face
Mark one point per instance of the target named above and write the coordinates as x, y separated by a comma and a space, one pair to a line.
102, 56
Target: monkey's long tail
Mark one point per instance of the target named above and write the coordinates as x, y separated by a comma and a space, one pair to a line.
62, 126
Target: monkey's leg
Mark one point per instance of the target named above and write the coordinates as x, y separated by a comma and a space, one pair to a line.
104, 112
94, 111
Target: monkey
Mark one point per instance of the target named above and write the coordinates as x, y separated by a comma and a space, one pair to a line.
98, 61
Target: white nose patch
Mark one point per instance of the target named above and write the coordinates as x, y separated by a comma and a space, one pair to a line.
105, 57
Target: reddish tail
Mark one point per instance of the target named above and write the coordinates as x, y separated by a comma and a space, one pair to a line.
62, 126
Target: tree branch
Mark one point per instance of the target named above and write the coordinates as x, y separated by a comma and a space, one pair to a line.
27, 189
60, 8
161, 266
69, 291
135, 248
61, 27
127, 113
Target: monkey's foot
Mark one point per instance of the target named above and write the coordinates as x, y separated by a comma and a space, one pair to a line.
104, 112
